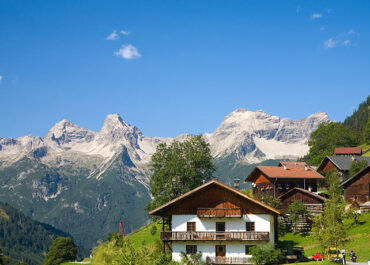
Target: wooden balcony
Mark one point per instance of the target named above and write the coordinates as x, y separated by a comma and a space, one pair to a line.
228, 260
219, 212
215, 236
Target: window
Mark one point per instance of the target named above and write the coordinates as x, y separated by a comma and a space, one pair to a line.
249, 226
191, 249
190, 226
247, 250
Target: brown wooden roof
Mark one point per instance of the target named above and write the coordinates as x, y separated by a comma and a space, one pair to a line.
304, 191
296, 172
212, 182
347, 150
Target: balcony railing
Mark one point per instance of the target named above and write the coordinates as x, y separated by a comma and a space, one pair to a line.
228, 260
219, 236
219, 212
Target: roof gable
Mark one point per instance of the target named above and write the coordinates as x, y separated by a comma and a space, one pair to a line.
296, 189
343, 163
355, 177
165, 208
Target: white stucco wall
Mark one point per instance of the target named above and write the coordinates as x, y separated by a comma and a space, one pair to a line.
233, 249
263, 223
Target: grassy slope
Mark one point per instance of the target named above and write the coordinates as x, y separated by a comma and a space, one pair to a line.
359, 240
144, 236
365, 149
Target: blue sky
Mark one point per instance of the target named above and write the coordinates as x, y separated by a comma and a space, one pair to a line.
178, 66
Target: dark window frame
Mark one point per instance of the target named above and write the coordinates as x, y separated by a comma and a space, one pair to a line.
247, 249
191, 226
191, 249
250, 226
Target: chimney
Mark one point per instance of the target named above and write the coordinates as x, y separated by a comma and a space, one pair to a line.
236, 184
285, 168
306, 167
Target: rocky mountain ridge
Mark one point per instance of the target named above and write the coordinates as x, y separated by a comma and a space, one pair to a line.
255, 136
85, 182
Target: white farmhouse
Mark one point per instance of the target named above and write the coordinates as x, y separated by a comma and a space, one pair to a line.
220, 222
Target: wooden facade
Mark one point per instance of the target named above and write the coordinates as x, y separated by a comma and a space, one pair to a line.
314, 203
329, 165
212, 198
275, 181
357, 188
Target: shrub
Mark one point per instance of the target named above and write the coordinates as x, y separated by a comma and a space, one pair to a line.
265, 254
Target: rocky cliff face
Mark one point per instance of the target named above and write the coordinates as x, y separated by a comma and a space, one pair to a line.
257, 136
85, 182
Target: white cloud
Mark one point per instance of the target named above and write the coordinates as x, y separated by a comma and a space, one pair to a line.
124, 32
113, 35
1, 78
316, 15
330, 43
128, 52
345, 38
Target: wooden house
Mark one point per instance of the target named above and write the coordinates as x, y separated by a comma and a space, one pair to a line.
276, 181
341, 164
220, 222
312, 201
357, 188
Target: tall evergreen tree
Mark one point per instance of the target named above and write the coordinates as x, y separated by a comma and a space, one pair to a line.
178, 168
328, 228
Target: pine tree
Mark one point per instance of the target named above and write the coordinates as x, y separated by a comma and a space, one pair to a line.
328, 228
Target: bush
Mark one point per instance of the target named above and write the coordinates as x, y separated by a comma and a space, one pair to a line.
356, 166
153, 230
265, 254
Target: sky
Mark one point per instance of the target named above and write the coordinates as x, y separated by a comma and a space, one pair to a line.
170, 67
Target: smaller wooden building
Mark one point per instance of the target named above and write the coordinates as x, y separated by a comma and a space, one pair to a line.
341, 164
348, 151
313, 202
276, 181
357, 188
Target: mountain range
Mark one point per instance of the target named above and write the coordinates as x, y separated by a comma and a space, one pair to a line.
86, 182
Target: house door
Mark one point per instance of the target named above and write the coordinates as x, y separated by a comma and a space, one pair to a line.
220, 229
220, 254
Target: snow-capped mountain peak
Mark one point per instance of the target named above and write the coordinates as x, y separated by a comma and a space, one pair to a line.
252, 136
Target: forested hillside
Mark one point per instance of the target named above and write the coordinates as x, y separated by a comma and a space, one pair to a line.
358, 120
24, 239
354, 131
